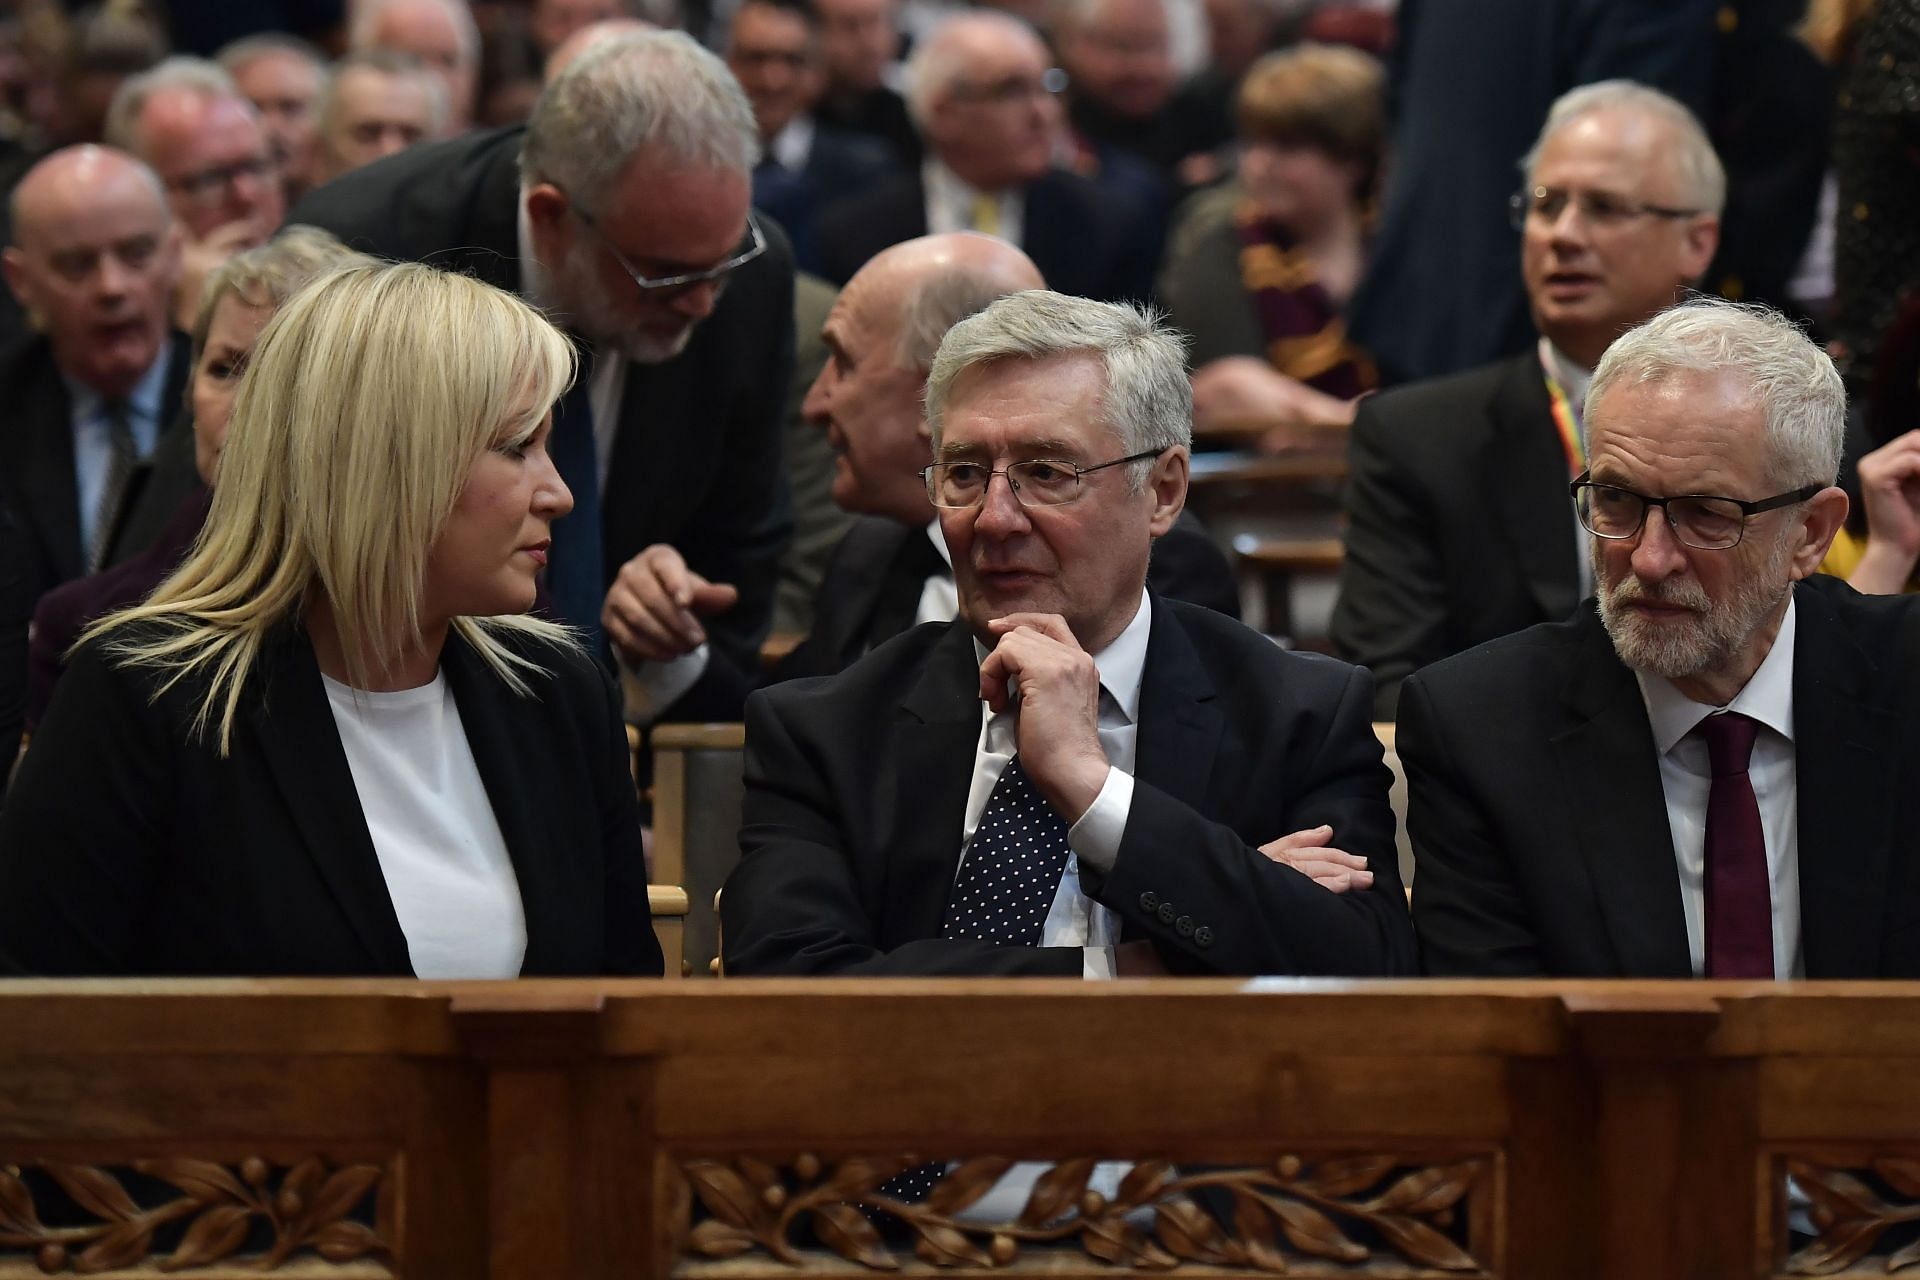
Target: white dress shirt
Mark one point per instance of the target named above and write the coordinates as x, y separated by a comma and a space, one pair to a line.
93, 434
950, 203
1686, 778
792, 146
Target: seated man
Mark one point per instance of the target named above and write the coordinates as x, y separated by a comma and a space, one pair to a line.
1459, 528
375, 104
1076, 776
1704, 776
890, 570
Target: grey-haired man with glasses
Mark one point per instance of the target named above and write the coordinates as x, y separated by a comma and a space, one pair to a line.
623, 209
1708, 770
1077, 776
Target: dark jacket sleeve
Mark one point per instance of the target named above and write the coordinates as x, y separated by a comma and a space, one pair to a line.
1234, 910
631, 947
792, 907
1391, 613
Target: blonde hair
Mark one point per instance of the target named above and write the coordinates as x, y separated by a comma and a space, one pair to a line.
270, 274
369, 397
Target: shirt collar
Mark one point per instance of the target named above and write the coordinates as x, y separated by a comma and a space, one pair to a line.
1121, 663
939, 541
143, 402
793, 144
1767, 697
1574, 378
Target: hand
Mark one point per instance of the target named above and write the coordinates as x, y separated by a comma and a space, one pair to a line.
200, 258
654, 607
1309, 853
1058, 689
1137, 959
1246, 393
1890, 490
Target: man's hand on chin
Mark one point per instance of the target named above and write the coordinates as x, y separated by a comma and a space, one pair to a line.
1057, 690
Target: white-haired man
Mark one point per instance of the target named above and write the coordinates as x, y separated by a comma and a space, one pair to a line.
622, 208
981, 88
440, 33
1709, 774
375, 104
1459, 527
1076, 775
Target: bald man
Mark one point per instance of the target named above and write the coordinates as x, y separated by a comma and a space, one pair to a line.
891, 571
441, 34
95, 395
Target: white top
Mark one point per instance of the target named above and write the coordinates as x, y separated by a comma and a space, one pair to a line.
1076, 920
433, 828
1686, 778
950, 204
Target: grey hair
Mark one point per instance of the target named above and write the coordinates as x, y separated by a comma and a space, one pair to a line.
1787, 375
941, 58
195, 75
244, 50
389, 62
1702, 176
368, 22
1148, 400
648, 89
943, 302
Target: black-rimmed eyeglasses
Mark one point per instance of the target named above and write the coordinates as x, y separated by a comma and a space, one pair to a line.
663, 286
1703, 521
1036, 482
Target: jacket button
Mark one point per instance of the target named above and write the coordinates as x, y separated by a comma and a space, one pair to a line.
1149, 900
1184, 926
1166, 913
1203, 936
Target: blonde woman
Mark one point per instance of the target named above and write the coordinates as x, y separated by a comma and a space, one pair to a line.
235, 305
332, 742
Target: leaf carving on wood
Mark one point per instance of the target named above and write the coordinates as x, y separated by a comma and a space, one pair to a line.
1352, 1211
1852, 1217
213, 1210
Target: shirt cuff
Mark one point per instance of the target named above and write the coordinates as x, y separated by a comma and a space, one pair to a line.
1095, 839
648, 690
1096, 963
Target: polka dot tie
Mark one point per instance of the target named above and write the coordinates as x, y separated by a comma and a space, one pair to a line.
1012, 870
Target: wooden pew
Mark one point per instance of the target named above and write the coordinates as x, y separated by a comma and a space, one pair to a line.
696, 822
1526, 1131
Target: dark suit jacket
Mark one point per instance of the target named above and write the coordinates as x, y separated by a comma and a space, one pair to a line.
1085, 240
1186, 565
1539, 823
837, 163
696, 461
856, 787
39, 480
16, 610
128, 846
1459, 524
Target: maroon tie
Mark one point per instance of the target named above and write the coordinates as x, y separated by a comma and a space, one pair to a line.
1739, 902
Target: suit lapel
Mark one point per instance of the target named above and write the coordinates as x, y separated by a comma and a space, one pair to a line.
851, 589
1618, 817
294, 728
1527, 466
933, 775
1845, 745
1179, 726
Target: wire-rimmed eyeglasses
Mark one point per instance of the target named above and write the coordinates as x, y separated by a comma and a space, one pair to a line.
1036, 482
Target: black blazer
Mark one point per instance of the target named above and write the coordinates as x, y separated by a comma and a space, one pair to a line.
39, 480
697, 459
16, 610
1459, 527
128, 847
856, 787
1086, 240
1539, 824
1187, 565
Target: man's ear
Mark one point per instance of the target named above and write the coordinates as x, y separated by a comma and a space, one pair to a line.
548, 223
1702, 241
1826, 512
1168, 484
14, 265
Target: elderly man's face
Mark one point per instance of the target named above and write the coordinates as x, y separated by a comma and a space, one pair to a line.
1677, 611
216, 161
1121, 57
429, 32
1087, 560
375, 114
869, 406
285, 88
663, 217
94, 262
771, 53
995, 123
1591, 278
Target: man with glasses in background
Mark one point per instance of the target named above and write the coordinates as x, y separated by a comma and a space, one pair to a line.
194, 128
622, 208
1077, 776
1711, 773
1459, 525
982, 91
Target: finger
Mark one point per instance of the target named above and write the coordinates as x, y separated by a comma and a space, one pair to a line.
631, 643
713, 597
659, 595
1311, 838
653, 621
1316, 870
1050, 625
665, 566
995, 673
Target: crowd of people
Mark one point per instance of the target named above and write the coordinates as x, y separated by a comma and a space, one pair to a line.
409, 399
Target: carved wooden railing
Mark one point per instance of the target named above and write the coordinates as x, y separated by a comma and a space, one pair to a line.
546, 1129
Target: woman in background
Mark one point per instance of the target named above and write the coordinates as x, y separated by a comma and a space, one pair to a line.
332, 742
